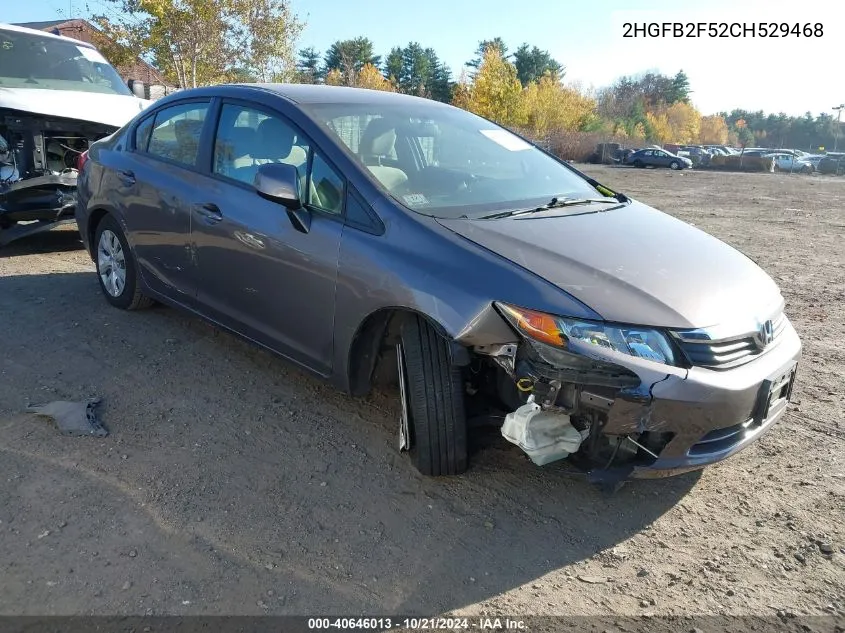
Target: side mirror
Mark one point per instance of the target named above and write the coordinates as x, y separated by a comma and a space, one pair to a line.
279, 182
138, 89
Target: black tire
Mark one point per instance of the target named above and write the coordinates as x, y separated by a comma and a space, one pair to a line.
130, 297
435, 399
637, 163
674, 165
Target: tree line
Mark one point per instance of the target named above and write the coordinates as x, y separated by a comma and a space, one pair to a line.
200, 42
525, 89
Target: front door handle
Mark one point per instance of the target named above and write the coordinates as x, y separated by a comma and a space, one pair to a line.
209, 211
127, 177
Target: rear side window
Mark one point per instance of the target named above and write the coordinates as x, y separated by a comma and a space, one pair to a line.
142, 133
176, 133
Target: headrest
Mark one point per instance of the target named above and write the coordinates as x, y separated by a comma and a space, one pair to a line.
240, 141
187, 130
378, 139
275, 140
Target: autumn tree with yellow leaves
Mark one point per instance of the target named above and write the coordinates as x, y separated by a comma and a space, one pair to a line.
713, 130
543, 106
494, 92
552, 106
370, 77
684, 122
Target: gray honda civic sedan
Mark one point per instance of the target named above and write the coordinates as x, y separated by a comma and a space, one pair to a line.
373, 237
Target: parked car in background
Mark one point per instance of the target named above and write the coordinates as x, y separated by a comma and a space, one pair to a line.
832, 164
794, 152
724, 150
697, 154
658, 158
57, 96
607, 153
363, 233
790, 163
813, 159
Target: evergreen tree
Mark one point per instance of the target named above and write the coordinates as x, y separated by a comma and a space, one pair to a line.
532, 63
349, 57
393, 64
483, 46
679, 90
308, 66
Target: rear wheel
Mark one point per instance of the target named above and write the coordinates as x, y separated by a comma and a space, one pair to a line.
433, 400
116, 268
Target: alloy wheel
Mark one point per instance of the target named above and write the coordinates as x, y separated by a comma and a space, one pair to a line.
111, 263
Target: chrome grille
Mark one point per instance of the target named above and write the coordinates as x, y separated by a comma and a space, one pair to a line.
702, 350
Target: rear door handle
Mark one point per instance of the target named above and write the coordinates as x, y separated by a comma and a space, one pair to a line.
209, 211
126, 176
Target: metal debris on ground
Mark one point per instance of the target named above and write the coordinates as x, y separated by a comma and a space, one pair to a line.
76, 419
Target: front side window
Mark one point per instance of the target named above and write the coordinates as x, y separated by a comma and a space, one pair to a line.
176, 133
248, 138
446, 162
48, 63
325, 189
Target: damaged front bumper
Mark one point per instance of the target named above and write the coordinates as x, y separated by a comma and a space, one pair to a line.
50, 197
650, 420
710, 415
39, 155
39, 204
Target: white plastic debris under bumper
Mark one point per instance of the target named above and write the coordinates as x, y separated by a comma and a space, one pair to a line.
545, 436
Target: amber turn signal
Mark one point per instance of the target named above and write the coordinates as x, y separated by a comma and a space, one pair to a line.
537, 325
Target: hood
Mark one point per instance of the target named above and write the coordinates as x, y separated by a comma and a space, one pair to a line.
95, 107
632, 265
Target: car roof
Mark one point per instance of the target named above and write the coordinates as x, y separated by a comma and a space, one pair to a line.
23, 29
308, 94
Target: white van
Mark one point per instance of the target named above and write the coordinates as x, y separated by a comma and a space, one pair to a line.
57, 96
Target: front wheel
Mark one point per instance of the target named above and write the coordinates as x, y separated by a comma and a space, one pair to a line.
675, 165
116, 268
433, 400
637, 163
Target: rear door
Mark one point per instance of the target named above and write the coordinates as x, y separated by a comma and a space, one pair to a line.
258, 274
160, 182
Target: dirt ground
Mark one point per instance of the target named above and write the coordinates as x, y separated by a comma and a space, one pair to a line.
233, 483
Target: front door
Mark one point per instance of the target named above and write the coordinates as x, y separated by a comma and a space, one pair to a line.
259, 274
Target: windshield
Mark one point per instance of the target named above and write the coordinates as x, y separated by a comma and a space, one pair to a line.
33, 61
445, 162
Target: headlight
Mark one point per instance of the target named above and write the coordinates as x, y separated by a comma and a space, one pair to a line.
579, 336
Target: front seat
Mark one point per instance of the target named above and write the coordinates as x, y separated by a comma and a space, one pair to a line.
273, 143
377, 143
232, 150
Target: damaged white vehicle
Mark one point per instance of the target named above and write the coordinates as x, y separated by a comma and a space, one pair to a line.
57, 96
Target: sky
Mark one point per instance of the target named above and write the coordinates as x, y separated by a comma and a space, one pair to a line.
791, 75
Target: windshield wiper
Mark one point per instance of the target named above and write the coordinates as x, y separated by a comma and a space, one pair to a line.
554, 203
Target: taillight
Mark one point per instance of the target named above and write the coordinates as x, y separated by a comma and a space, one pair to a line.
80, 162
